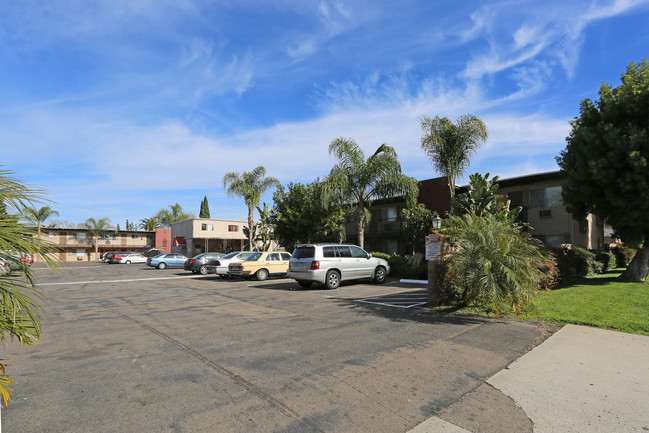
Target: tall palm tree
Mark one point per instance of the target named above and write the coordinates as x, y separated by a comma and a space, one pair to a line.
174, 214
97, 227
19, 296
249, 185
39, 216
149, 224
356, 181
450, 145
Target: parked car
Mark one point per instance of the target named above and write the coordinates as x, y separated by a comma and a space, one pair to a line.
167, 260
260, 265
329, 264
199, 263
15, 261
130, 258
118, 255
107, 256
220, 267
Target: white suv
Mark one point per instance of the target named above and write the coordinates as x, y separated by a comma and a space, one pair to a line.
329, 264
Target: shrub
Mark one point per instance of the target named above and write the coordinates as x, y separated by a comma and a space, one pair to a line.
549, 272
623, 255
497, 265
383, 256
607, 260
576, 262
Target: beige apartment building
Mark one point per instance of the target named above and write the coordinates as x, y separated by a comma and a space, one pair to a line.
79, 244
544, 211
201, 235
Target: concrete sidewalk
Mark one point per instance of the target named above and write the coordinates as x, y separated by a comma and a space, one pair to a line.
579, 380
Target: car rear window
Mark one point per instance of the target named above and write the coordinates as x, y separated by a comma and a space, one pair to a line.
303, 253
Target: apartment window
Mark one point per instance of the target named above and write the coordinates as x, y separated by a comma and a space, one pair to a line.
51, 234
81, 237
80, 252
552, 239
233, 228
134, 236
109, 236
207, 227
389, 213
546, 197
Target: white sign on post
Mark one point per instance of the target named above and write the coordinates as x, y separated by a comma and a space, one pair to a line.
433, 247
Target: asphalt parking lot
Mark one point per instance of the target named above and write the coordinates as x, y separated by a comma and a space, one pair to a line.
128, 348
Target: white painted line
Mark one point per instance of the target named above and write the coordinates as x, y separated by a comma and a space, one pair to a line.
117, 281
391, 305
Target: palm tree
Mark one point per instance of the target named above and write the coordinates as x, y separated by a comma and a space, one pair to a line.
249, 186
355, 181
450, 145
39, 216
174, 214
149, 224
19, 296
96, 229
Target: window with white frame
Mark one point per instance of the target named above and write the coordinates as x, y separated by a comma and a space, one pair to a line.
207, 227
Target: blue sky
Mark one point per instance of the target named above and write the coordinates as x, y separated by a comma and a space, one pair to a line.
120, 108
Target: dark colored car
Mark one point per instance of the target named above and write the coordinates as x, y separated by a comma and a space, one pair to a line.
107, 256
199, 264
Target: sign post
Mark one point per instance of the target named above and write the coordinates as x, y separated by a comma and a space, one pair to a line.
433, 253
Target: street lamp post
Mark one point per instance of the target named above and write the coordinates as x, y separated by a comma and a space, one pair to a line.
433, 250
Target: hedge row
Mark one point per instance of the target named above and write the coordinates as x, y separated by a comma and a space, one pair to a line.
561, 264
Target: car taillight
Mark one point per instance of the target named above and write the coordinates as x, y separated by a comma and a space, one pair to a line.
315, 265
191, 262
217, 263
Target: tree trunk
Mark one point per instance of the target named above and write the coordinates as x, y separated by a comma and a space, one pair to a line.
639, 266
251, 222
360, 226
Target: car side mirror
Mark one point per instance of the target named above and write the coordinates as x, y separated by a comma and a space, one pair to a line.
369, 256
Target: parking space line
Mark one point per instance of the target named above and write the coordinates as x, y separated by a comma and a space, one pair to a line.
117, 281
398, 300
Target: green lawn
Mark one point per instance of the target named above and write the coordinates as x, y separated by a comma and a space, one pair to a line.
601, 301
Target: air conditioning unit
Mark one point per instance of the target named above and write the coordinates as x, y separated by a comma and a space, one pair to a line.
545, 213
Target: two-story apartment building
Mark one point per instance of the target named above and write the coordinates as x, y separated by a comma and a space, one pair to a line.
538, 194
200, 235
79, 244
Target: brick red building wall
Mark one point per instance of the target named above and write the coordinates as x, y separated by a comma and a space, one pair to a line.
163, 240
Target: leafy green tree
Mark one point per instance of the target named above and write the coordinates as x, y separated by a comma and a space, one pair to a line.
39, 216
149, 224
20, 298
302, 214
606, 162
264, 228
496, 264
173, 214
249, 185
450, 145
417, 223
205, 209
356, 181
97, 228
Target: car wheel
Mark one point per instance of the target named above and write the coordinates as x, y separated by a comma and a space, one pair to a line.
261, 274
203, 270
162, 265
379, 275
332, 280
303, 283
128, 262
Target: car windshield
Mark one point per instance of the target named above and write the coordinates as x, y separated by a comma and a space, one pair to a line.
303, 253
198, 256
231, 255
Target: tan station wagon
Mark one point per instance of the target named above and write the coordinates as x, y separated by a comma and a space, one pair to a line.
261, 265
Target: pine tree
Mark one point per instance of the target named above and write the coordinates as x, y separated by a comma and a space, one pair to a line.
205, 209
